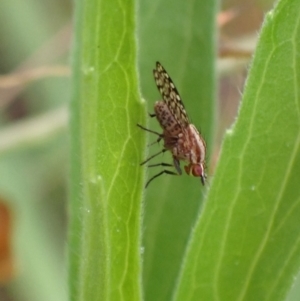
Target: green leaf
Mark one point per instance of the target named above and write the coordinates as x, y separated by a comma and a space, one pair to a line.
181, 36
246, 244
106, 150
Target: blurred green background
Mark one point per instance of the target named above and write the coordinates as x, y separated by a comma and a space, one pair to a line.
36, 38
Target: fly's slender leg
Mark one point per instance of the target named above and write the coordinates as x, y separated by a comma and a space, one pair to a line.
150, 131
152, 115
177, 165
151, 157
159, 174
156, 141
153, 132
165, 171
160, 164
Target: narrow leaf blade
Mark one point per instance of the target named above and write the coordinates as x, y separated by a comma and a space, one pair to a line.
246, 245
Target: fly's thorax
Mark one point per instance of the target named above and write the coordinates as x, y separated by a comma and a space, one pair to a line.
187, 145
197, 145
166, 119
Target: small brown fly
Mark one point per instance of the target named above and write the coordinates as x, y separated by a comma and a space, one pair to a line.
180, 137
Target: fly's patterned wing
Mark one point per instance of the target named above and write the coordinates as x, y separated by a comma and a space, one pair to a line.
170, 95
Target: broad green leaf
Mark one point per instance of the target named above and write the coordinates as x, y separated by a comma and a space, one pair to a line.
106, 150
246, 244
181, 36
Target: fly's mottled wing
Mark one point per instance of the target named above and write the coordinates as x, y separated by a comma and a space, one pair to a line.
170, 95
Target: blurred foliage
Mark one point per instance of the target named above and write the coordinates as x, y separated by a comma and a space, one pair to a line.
34, 90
